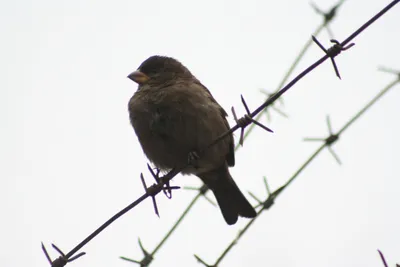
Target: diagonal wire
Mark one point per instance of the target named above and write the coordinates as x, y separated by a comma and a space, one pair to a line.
270, 200
163, 182
277, 192
361, 112
383, 258
328, 17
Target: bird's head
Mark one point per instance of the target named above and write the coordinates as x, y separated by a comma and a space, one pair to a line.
158, 70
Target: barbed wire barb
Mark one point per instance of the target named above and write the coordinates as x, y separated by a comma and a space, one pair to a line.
202, 191
271, 101
151, 194
328, 16
327, 143
333, 13
148, 257
62, 260
249, 117
333, 51
246, 120
158, 187
255, 198
267, 186
266, 204
166, 187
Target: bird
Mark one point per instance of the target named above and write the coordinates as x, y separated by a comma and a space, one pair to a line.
175, 117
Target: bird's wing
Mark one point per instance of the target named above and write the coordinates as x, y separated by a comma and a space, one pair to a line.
230, 157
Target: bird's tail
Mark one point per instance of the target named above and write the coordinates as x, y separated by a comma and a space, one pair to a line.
230, 199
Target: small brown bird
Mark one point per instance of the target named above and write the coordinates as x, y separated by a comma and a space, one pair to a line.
175, 116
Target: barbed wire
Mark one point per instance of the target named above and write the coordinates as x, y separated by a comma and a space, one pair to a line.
384, 260
162, 183
328, 142
327, 19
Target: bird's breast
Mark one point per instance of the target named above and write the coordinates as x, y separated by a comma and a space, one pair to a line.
169, 126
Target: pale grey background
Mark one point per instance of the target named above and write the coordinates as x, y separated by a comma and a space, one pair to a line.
70, 159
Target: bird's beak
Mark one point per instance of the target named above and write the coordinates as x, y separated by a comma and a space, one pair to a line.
138, 77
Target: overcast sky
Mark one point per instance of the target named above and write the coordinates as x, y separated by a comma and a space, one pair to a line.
71, 159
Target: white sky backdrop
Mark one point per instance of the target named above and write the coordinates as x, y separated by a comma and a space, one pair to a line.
70, 158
